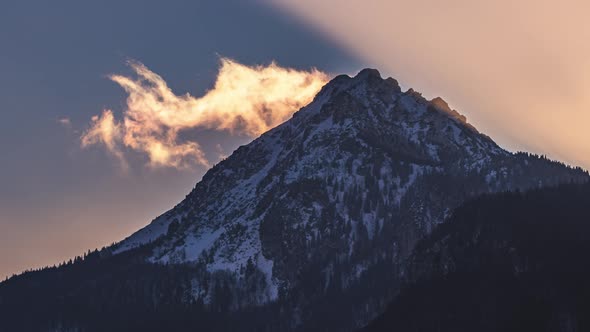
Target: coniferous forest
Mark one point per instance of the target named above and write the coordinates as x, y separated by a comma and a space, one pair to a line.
505, 262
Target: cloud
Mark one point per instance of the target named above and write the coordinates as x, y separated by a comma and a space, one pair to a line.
244, 100
66, 122
105, 130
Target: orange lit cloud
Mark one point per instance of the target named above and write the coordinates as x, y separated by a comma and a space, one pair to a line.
245, 100
104, 130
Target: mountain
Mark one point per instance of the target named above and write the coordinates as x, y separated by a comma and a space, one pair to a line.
306, 228
503, 262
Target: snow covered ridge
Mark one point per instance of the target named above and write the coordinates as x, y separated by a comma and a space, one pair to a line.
349, 184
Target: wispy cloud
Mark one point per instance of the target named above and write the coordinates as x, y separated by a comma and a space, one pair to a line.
66, 122
106, 131
245, 100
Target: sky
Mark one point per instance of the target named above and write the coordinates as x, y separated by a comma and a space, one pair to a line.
57, 199
92, 151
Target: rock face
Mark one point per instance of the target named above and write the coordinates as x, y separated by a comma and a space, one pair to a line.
343, 189
310, 224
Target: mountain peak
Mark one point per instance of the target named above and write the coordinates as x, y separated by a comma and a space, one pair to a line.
368, 73
368, 80
362, 163
373, 76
